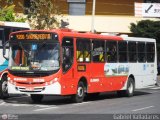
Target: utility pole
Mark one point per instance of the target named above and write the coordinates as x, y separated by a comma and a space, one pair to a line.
93, 14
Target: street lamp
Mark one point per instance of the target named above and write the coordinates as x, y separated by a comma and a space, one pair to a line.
93, 14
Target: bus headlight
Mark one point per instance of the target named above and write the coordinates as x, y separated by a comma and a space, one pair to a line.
9, 78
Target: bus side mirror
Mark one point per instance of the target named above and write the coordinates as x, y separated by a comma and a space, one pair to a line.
5, 49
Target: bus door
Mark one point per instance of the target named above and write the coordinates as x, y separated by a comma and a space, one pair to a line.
97, 68
83, 58
67, 64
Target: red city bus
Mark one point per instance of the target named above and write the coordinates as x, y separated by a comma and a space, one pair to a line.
65, 62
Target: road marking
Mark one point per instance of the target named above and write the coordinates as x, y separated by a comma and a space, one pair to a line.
154, 92
155, 88
2, 103
80, 103
45, 109
142, 108
42, 106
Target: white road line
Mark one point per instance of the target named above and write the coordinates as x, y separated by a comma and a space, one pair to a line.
154, 92
80, 103
2, 103
142, 108
42, 106
155, 88
45, 109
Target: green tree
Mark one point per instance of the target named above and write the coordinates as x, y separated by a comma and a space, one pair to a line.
43, 14
149, 29
146, 28
7, 12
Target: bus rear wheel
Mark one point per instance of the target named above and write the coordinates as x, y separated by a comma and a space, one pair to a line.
130, 88
79, 96
4, 88
36, 98
129, 91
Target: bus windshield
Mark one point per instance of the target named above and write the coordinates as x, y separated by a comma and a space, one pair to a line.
30, 56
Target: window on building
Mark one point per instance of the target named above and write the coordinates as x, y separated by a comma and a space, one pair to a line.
141, 52
132, 54
83, 52
150, 52
122, 50
98, 52
111, 51
77, 7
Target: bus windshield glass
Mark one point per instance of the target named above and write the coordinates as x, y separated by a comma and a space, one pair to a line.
33, 56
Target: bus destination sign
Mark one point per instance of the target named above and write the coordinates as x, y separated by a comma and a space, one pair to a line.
33, 36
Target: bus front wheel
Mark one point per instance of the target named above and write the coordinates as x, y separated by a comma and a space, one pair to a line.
79, 96
36, 98
4, 88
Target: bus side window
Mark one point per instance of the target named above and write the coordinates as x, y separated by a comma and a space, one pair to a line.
132, 52
83, 52
7, 31
1, 37
67, 49
141, 52
98, 51
122, 51
150, 52
111, 51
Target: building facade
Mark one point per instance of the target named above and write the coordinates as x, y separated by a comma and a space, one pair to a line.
113, 16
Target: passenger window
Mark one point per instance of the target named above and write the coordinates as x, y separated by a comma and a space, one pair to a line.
111, 51
150, 52
122, 48
141, 52
98, 52
67, 49
132, 54
1, 38
7, 31
83, 52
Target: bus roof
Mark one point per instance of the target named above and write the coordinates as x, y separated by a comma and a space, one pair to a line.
72, 33
138, 39
14, 24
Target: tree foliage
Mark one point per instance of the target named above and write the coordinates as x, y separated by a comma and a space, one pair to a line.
43, 14
7, 12
146, 28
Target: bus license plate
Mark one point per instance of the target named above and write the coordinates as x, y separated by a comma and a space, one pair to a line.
30, 89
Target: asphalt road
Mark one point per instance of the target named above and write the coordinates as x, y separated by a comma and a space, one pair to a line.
146, 101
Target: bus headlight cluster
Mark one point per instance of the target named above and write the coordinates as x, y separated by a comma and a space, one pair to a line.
12, 82
51, 82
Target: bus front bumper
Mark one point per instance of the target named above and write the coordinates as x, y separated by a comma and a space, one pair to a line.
53, 89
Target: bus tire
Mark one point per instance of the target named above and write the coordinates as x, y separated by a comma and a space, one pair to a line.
129, 91
4, 87
36, 98
79, 96
130, 88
